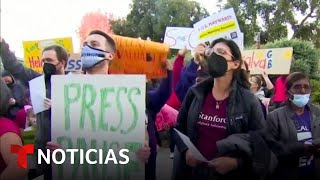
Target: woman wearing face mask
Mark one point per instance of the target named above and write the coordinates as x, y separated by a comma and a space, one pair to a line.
213, 110
292, 130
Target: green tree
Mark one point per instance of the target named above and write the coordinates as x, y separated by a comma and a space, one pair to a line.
149, 18
275, 15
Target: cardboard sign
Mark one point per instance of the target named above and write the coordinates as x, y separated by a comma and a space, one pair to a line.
220, 25
99, 112
179, 37
136, 56
33, 50
273, 61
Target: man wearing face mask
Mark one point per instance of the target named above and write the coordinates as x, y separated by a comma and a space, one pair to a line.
294, 131
96, 55
54, 58
17, 92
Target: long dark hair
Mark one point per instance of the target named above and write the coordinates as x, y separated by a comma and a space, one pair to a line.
240, 75
4, 98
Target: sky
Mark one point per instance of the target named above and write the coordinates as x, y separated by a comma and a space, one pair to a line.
23, 20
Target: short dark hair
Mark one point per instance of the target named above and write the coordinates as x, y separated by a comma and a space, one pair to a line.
61, 52
4, 98
294, 77
109, 39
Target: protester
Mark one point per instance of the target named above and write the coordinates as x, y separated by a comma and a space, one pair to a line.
257, 85
280, 95
155, 100
267, 85
97, 53
183, 78
9, 135
17, 93
55, 59
214, 109
254, 86
292, 129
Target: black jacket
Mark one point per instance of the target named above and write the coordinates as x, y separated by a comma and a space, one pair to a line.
17, 92
243, 112
281, 135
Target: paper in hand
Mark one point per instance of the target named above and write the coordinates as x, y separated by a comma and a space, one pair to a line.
37, 94
194, 151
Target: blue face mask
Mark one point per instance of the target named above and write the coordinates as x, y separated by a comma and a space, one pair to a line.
300, 100
91, 57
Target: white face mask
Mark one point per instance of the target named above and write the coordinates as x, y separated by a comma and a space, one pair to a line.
300, 100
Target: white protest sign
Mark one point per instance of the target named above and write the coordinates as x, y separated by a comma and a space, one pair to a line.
179, 37
74, 63
99, 112
37, 94
194, 151
220, 25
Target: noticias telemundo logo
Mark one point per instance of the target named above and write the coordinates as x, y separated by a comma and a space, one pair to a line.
58, 156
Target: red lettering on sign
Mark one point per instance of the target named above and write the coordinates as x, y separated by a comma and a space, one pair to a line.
255, 63
35, 62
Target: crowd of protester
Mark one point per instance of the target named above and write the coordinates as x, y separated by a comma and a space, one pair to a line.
213, 100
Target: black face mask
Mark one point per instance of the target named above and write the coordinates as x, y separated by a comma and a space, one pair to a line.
217, 65
49, 69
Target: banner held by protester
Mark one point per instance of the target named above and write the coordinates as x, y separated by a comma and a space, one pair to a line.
136, 56
179, 37
33, 49
221, 25
99, 112
272, 61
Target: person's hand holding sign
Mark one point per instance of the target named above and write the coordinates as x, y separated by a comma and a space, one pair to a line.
183, 52
199, 52
12, 101
52, 146
143, 154
47, 103
223, 165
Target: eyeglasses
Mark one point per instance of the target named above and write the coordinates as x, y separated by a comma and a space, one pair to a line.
219, 51
299, 87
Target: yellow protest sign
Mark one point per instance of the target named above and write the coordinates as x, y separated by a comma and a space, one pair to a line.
272, 61
33, 49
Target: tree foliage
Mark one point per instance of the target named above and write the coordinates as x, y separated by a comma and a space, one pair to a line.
149, 18
272, 17
94, 21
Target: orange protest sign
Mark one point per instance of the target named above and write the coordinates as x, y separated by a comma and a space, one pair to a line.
136, 56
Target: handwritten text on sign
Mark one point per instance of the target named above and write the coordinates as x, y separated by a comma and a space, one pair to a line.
33, 50
273, 61
74, 63
179, 37
99, 112
223, 24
